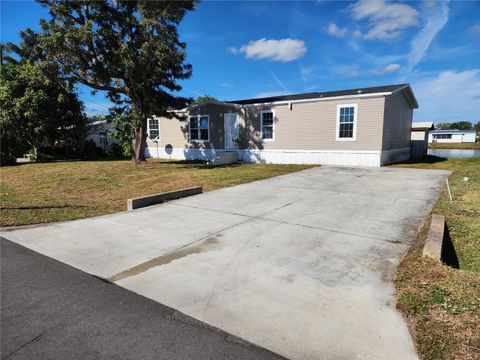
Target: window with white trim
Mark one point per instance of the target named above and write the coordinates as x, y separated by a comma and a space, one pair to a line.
346, 122
267, 124
442, 136
199, 128
153, 129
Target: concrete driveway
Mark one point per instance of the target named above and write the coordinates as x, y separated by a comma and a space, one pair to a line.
301, 264
53, 311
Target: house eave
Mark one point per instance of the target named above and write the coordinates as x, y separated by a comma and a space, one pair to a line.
408, 92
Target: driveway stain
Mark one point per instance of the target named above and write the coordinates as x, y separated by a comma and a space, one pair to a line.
195, 248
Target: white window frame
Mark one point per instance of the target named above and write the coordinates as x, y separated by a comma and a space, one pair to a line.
198, 129
148, 128
443, 136
355, 114
261, 124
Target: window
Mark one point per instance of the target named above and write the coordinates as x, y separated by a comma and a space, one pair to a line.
442, 136
346, 122
199, 128
153, 129
267, 124
102, 137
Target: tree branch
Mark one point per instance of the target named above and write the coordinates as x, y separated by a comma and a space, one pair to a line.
84, 81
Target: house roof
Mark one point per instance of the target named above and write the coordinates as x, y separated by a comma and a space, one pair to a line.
425, 125
380, 90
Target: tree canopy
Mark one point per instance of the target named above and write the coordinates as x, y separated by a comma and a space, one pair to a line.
37, 104
130, 49
459, 125
204, 98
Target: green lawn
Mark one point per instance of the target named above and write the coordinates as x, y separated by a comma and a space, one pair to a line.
39, 193
442, 303
465, 146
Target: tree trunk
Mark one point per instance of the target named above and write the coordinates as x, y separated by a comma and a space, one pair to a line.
138, 155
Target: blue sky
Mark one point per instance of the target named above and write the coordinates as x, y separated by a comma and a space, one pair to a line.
253, 49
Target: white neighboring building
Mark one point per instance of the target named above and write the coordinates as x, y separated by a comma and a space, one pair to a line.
452, 136
100, 133
420, 130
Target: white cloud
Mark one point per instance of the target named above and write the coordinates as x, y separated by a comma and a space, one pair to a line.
283, 50
475, 29
357, 33
306, 72
435, 21
227, 85
347, 71
386, 20
334, 30
450, 95
389, 69
232, 50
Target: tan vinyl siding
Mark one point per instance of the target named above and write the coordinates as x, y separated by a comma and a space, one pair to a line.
397, 122
312, 126
308, 126
174, 132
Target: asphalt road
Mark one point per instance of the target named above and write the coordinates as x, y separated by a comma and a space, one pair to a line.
52, 311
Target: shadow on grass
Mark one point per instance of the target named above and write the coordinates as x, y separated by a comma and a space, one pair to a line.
42, 207
64, 161
200, 164
449, 255
429, 159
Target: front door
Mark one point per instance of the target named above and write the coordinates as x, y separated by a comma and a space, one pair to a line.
231, 130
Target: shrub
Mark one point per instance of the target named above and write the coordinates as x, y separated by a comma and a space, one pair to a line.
7, 159
44, 158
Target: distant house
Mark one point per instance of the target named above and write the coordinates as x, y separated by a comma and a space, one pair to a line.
357, 127
100, 133
420, 130
419, 138
452, 136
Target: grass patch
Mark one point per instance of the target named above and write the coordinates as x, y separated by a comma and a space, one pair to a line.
441, 303
40, 193
465, 146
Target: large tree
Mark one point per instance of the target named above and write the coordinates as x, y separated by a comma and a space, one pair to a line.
37, 104
130, 49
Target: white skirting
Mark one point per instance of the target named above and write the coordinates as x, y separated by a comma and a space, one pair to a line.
180, 154
322, 157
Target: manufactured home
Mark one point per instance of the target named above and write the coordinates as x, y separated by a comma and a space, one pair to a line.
452, 136
356, 127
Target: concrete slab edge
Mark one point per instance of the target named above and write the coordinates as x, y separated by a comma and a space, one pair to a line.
154, 199
434, 243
